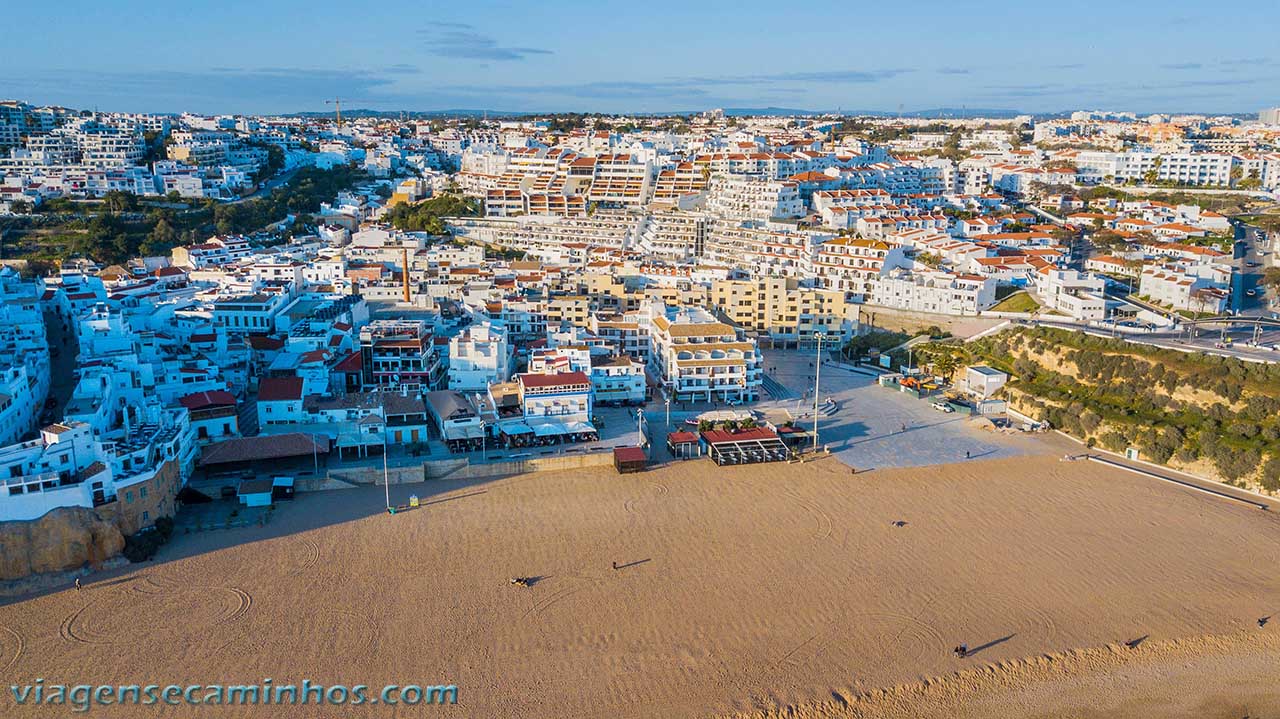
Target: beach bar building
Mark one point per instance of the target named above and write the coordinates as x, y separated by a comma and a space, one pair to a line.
629, 459
743, 446
684, 445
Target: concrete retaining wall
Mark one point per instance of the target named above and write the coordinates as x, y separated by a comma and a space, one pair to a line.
373, 475
533, 464
309, 484
460, 468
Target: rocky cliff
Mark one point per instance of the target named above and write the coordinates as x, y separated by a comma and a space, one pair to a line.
63, 539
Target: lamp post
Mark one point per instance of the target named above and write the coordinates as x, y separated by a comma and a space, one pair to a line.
817, 373
640, 426
667, 402
386, 472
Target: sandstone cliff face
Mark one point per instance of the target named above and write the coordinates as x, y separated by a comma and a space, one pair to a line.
63, 539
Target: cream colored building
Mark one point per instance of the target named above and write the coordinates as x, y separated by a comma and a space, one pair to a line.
781, 311
698, 357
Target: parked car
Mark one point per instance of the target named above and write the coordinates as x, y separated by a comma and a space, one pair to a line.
943, 407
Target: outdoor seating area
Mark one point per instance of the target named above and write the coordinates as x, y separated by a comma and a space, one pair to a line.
544, 434
744, 446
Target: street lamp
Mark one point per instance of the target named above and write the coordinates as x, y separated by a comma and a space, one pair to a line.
386, 474
817, 373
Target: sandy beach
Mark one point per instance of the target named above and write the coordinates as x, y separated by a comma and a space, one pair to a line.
771, 590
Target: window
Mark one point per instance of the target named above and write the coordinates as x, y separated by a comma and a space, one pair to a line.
128, 497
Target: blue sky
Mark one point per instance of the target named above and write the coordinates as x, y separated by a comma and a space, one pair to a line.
289, 55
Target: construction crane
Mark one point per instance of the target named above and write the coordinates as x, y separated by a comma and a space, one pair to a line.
337, 109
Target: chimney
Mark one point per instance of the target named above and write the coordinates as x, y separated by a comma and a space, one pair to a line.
405, 267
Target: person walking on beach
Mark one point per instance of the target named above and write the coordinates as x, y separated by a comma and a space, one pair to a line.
615, 565
962, 651
77, 584
966, 454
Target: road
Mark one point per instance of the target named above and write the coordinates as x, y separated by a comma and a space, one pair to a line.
1249, 262
62, 360
1205, 340
269, 185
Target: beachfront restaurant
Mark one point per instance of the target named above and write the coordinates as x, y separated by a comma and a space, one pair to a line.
456, 419
743, 446
521, 433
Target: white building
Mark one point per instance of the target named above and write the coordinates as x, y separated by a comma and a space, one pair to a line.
740, 197
1076, 294
933, 291
479, 356
1187, 286
25, 369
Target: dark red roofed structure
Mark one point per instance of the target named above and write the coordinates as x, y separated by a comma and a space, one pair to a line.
560, 379
279, 389
744, 446
684, 445
204, 400
265, 448
629, 459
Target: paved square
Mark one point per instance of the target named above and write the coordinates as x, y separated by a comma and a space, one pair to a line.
866, 431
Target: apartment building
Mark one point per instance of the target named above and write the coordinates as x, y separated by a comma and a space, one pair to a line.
621, 180
673, 235
400, 354
626, 334
850, 264
934, 291
763, 248
561, 402
479, 356
698, 357
782, 312
1184, 168
741, 197
1183, 285
677, 183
